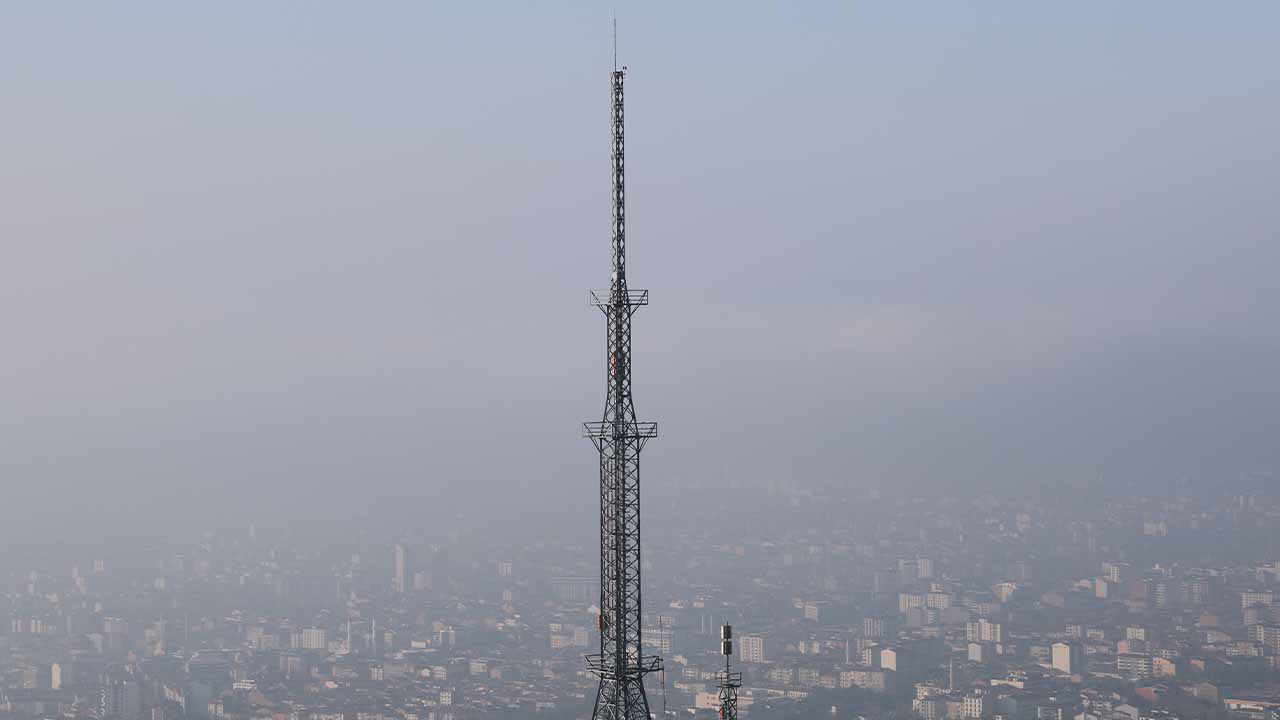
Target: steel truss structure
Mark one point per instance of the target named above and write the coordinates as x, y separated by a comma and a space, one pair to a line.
728, 681
619, 437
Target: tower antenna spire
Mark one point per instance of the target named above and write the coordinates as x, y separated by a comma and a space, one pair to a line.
619, 437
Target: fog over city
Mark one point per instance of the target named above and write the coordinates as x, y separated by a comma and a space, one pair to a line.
322, 270
261, 252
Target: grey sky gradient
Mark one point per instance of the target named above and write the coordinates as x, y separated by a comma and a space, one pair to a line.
261, 255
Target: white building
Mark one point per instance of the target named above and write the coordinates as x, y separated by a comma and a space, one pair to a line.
977, 705
1249, 598
312, 638
751, 648
983, 630
1068, 658
400, 580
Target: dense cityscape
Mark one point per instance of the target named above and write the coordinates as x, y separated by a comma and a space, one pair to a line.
846, 603
963, 349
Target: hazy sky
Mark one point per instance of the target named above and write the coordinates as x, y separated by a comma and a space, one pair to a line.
260, 255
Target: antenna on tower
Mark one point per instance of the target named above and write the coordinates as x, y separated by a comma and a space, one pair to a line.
729, 681
615, 38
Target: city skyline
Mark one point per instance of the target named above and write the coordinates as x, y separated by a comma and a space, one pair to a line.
971, 607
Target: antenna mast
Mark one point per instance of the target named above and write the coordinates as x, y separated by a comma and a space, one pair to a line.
619, 437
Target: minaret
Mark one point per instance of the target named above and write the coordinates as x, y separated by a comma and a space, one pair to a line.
619, 437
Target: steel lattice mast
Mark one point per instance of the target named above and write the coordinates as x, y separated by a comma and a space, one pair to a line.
620, 664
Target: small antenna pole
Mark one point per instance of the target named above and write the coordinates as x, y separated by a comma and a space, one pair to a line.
729, 681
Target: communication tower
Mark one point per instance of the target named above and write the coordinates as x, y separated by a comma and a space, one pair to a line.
619, 437
729, 681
